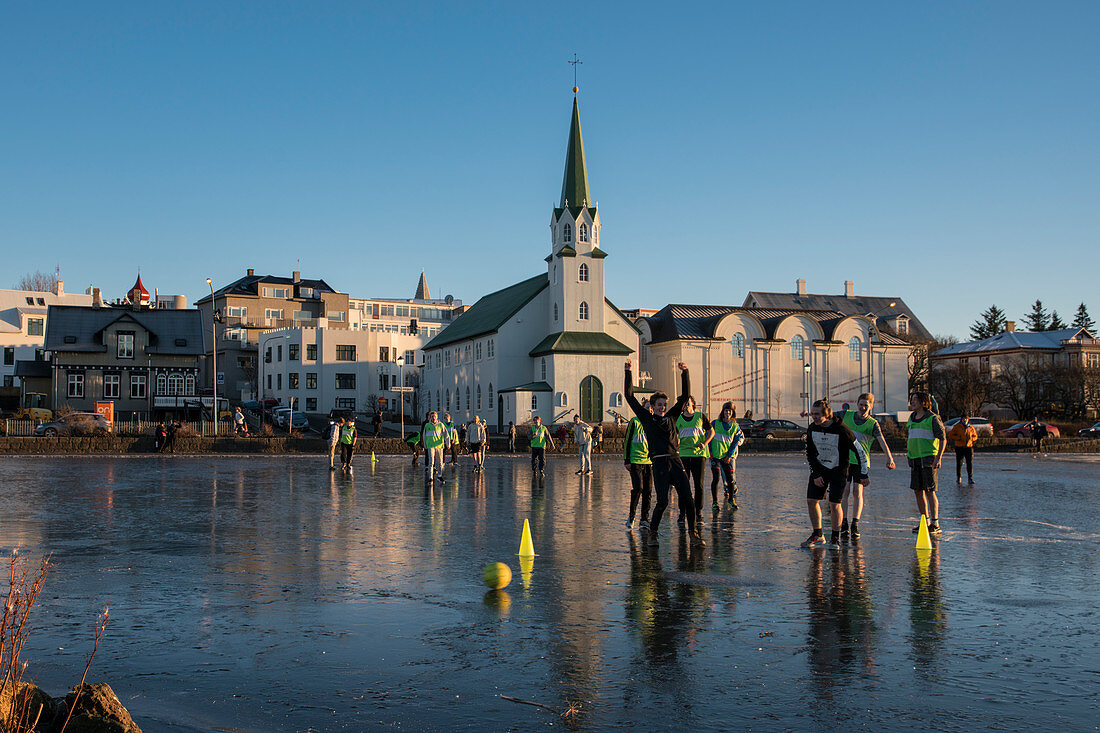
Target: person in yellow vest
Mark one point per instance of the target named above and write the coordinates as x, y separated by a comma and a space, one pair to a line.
435, 437
723, 448
695, 434
347, 442
925, 445
540, 437
867, 431
452, 438
640, 466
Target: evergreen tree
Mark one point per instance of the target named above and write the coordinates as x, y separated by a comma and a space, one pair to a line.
1056, 322
1037, 319
990, 323
1083, 320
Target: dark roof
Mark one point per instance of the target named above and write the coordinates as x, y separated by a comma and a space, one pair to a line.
490, 312
574, 184
78, 328
33, 369
859, 305
698, 322
1015, 340
249, 285
530, 387
580, 342
422, 292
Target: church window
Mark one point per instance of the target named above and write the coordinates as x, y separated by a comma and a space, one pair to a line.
490, 394
583, 276
555, 311
855, 349
534, 401
477, 351
448, 400
468, 405
567, 233
584, 311
490, 349
582, 233
479, 396
739, 345
438, 407
563, 399
542, 368
447, 357
796, 348
616, 399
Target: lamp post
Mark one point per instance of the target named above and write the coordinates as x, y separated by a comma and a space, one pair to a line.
401, 393
214, 357
806, 387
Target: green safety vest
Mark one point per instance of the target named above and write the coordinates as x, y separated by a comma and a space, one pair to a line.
692, 433
539, 436
723, 438
922, 443
453, 431
636, 450
347, 434
434, 435
865, 434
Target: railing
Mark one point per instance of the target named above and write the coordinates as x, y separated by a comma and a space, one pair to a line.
25, 428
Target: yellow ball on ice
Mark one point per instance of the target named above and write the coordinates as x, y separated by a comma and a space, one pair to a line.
497, 575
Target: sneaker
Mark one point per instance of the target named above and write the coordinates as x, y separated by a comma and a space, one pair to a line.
814, 540
630, 524
652, 540
716, 507
832, 544
934, 528
697, 541
844, 527
731, 504
681, 521
855, 529
644, 524
578, 472
970, 482
588, 472
958, 479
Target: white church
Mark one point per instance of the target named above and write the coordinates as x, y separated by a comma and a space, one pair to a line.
549, 346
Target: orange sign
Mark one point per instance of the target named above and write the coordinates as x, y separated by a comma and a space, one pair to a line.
106, 408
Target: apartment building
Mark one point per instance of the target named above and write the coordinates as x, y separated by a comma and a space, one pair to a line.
23, 316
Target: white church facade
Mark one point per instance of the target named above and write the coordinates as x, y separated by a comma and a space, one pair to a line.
549, 346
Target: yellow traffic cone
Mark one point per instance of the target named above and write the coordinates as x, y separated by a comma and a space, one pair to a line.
372, 458
526, 547
924, 541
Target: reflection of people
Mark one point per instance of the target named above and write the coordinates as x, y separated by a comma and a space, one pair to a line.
161, 439
638, 463
867, 431
925, 445
841, 633
963, 435
540, 436
827, 444
582, 436
723, 448
333, 440
511, 437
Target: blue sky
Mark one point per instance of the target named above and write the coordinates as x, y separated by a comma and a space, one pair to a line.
944, 153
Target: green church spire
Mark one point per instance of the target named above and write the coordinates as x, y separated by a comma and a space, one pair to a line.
574, 186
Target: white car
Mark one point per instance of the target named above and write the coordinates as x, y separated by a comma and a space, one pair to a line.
981, 426
280, 415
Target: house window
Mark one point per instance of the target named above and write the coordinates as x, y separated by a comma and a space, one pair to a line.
279, 381
616, 399
385, 310
276, 313
563, 399
125, 349
383, 353
292, 352
490, 395
542, 368
534, 401
302, 315
583, 273
345, 381
739, 345
458, 356
138, 386
447, 357
311, 404
279, 352
491, 349
479, 396
336, 316
383, 382
855, 349
292, 380
236, 312
311, 352
76, 384
1092, 360
903, 325
477, 351
345, 403
410, 357
584, 311
555, 311
345, 352
190, 384
112, 385
175, 385
268, 381
162, 383
35, 326
276, 293
582, 232
311, 380
467, 350
796, 348
9, 355
567, 233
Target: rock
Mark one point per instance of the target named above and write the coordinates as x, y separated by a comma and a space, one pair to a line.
30, 703
97, 711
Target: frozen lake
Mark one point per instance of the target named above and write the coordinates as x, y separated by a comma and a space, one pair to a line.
265, 594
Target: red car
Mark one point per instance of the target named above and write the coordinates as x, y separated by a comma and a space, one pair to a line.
1023, 430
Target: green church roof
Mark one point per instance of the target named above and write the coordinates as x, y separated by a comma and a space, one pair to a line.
574, 185
490, 312
580, 342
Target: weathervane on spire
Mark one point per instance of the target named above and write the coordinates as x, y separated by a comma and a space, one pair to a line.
574, 63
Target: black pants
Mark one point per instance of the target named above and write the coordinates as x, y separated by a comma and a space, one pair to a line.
538, 458
346, 452
962, 454
693, 466
511, 444
723, 471
641, 474
669, 471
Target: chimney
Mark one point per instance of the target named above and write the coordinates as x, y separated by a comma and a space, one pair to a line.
800, 286
849, 289
251, 272
1010, 326
60, 289
297, 276
97, 298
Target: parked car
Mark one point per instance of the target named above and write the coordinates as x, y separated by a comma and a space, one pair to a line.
299, 421
280, 415
1023, 430
1093, 432
776, 429
982, 426
746, 423
340, 413
250, 405
91, 422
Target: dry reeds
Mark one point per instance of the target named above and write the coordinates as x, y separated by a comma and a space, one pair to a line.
24, 585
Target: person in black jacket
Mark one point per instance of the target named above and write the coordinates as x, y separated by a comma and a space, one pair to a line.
828, 443
664, 448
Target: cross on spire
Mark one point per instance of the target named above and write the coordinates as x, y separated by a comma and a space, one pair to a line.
574, 62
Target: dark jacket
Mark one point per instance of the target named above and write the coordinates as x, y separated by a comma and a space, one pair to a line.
660, 432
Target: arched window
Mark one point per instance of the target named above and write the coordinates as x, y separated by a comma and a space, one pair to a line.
534, 401
555, 311
796, 347
567, 233
582, 233
490, 395
739, 345
438, 406
855, 348
584, 311
162, 382
542, 368
479, 396
448, 400
583, 275
563, 399
175, 384
468, 405
616, 399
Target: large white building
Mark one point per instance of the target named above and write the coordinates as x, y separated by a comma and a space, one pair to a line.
547, 346
23, 325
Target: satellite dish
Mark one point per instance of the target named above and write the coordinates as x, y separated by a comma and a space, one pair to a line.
449, 300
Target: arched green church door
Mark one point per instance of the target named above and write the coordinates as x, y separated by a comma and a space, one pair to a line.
591, 399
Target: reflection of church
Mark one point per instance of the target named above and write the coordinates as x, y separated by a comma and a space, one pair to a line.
547, 346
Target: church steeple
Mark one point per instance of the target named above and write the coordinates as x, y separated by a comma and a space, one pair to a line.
574, 186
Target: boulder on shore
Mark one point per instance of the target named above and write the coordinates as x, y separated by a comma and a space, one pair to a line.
98, 710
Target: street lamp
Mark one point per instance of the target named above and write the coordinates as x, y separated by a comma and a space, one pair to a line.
806, 387
401, 393
214, 357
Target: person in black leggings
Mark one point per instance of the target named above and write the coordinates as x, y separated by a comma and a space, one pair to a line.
664, 448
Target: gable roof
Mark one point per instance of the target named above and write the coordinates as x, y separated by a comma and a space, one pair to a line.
580, 342
82, 326
1015, 340
250, 285
858, 305
489, 313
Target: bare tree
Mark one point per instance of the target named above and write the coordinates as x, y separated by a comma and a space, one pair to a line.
38, 281
1066, 391
961, 389
1021, 386
1090, 377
